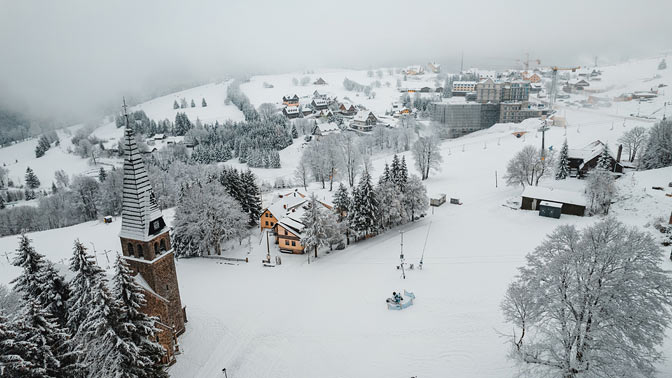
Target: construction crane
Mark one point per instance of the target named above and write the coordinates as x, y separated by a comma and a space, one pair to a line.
554, 82
526, 62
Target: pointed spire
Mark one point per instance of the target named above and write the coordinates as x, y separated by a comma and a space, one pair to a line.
139, 210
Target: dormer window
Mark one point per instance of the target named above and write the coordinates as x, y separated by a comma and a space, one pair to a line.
157, 225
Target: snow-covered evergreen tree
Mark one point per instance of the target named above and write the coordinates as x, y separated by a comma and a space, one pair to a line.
252, 199
32, 182
92, 316
315, 233
2, 202
16, 352
141, 358
341, 201
386, 176
604, 161
203, 103
36, 325
403, 173
562, 170
40, 282
102, 175
295, 134
363, 216
176, 105
658, 151
193, 104
662, 65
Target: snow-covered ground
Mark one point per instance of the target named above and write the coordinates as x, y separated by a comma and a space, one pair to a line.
329, 319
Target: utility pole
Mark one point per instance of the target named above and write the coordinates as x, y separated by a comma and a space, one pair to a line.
543, 140
495, 178
462, 63
401, 256
268, 249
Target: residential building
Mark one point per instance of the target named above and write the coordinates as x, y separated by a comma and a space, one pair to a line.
583, 160
518, 111
319, 103
460, 88
291, 111
364, 120
516, 91
326, 128
434, 67
461, 119
347, 109
290, 100
286, 203
488, 90
320, 81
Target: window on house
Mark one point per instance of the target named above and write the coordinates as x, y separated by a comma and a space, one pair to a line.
163, 245
141, 253
129, 249
266, 223
293, 244
156, 248
286, 242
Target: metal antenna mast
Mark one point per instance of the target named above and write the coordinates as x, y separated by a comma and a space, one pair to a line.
401, 256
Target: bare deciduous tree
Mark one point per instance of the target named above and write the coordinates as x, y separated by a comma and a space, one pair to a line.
633, 140
527, 167
427, 156
591, 303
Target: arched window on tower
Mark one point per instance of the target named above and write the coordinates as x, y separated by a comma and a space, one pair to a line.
129, 249
141, 254
163, 245
156, 248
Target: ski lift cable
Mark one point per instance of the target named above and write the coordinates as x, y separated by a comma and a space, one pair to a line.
422, 257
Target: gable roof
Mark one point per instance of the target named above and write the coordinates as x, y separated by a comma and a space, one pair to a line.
363, 115
554, 195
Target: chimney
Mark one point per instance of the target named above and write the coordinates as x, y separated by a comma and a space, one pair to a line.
620, 151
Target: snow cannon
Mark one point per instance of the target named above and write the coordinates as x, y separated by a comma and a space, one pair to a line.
400, 302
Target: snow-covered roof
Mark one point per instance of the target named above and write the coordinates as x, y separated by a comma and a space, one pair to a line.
328, 128
588, 152
140, 280
362, 115
320, 102
551, 204
554, 195
291, 109
280, 207
464, 83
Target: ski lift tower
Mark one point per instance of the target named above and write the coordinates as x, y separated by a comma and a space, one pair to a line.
554, 83
544, 127
401, 255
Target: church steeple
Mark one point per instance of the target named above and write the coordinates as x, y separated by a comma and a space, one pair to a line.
146, 246
141, 217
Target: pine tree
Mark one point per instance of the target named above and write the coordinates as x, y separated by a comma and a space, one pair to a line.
55, 293
2, 202
102, 175
176, 105
193, 104
31, 179
562, 170
604, 161
403, 174
386, 176
315, 232
662, 65
295, 134
363, 216
92, 316
394, 169
16, 352
135, 328
252, 197
28, 283
203, 103
54, 188
341, 201
36, 325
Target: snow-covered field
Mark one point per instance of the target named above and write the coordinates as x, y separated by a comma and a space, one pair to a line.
329, 319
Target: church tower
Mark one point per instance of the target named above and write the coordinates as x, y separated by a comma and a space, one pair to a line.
145, 242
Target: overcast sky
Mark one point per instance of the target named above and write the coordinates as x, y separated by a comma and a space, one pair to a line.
77, 58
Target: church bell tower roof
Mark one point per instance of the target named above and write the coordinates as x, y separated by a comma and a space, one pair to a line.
141, 217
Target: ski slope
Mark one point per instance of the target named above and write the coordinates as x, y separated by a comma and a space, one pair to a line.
329, 318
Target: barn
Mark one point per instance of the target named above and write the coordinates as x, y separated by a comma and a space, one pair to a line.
583, 160
572, 203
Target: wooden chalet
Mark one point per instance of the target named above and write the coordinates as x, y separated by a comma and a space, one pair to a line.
319, 104
326, 128
320, 81
347, 109
583, 160
364, 121
290, 100
291, 112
